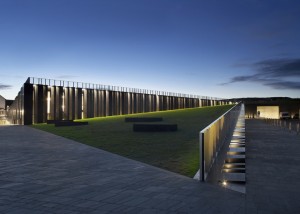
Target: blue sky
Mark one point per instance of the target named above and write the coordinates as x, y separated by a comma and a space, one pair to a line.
231, 48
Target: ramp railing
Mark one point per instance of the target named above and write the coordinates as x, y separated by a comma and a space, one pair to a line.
212, 138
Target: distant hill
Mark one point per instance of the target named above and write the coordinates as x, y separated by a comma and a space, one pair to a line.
269, 100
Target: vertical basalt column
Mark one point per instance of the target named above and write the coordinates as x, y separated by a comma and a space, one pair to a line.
90, 103
196, 104
175, 103
109, 103
204, 102
146, 103
102, 103
179, 102
106, 98
117, 104
121, 103
52, 102
139, 103
78, 103
28, 104
84, 103
128, 103
66, 104
59, 91
69, 103
184, 103
152, 102
143, 102
125, 102
128, 100
95, 107
134, 104
161, 103
113, 101
164, 107
40, 103
35, 104
157, 104
72, 103
172, 103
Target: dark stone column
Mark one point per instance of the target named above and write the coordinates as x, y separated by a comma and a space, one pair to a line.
78, 103
28, 103
90, 103
40, 103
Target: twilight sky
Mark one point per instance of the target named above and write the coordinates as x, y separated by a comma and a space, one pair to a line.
220, 48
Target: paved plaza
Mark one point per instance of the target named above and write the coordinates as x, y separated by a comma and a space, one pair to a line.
44, 173
272, 169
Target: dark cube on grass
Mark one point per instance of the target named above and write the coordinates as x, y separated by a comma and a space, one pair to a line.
154, 127
72, 123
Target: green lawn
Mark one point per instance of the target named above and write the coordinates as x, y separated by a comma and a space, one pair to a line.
174, 151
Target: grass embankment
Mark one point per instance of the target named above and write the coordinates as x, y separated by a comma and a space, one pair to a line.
174, 151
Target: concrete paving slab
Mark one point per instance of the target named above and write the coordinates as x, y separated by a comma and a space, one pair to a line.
234, 177
273, 160
237, 150
44, 173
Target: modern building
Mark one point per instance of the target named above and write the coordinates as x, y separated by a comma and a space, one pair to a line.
4, 104
271, 107
42, 99
271, 112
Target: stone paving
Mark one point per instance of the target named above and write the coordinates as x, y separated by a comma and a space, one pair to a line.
272, 169
44, 173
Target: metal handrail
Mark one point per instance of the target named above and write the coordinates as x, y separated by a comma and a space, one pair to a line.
64, 83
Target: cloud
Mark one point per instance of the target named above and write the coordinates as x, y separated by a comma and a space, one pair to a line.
278, 68
284, 85
4, 87
273, 73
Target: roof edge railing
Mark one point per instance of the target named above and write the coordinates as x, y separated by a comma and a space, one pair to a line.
65, 83
217, 142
